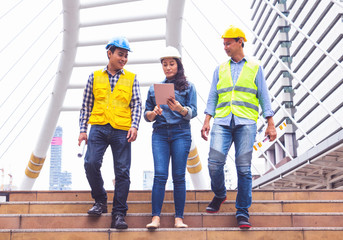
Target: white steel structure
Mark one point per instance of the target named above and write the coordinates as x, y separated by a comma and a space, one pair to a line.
71, 42
300, 45
298, 42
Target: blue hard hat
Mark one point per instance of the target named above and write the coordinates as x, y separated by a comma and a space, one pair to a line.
120, 42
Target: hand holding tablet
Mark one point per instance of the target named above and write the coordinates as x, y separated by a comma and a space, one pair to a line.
163, 91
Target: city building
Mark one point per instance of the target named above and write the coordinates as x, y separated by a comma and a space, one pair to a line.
299, 44
58, 180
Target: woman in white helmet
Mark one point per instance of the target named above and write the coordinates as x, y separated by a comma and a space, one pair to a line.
171, 138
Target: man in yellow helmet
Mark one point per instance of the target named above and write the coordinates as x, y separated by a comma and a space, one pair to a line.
238, 88
112, 105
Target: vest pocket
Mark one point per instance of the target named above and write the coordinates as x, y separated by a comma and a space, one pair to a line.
97, 116
122, 117
100, 91
122, 93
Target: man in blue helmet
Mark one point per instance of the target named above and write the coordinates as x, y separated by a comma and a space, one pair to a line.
112, 105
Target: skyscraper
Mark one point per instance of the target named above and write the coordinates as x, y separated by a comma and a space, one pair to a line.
58, 180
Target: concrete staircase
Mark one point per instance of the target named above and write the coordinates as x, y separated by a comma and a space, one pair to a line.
306, 215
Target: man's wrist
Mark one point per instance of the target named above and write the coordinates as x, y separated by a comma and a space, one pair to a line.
270, 121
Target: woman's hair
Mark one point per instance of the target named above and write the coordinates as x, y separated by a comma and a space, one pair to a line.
180, 81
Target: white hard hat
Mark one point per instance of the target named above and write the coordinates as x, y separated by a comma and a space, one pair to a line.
170, 52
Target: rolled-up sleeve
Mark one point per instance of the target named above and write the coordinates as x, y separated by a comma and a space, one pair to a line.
87, 104
263, 94
191, 104
149, 103
136, 104
213, 95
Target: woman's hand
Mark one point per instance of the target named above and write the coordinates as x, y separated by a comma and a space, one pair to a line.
152, 114
174, 105
157, 110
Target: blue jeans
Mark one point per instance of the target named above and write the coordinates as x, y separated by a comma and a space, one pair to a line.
170, 141
100, 136
222, 137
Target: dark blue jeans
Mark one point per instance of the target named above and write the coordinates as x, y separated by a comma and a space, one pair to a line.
222, 137
100, 136
173, 143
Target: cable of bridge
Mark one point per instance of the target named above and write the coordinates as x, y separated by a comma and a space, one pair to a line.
11, 9
15, 109
15, 138
28, 48
27, 109
29, 71
26, 26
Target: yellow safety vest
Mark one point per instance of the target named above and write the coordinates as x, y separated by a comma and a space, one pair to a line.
240, 99
112, 107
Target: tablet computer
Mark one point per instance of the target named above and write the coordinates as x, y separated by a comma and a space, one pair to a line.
163, 91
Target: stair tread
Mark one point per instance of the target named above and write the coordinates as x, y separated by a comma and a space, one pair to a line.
145, 195
173, 229
172, 214
173, 233
299, 214
170, 201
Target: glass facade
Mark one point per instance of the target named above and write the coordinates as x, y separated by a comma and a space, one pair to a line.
58, 180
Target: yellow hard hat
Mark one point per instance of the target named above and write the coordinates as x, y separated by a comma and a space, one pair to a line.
234, 32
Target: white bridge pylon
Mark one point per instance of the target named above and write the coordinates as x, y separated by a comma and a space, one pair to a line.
72, 25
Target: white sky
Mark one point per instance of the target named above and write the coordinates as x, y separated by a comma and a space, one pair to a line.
25, 70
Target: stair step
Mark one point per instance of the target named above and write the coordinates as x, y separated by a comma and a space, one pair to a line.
169, 234
280, 214
145, 195
194, 220
168, 206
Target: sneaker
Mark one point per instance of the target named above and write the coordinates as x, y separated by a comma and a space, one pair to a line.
98, 208
118, 222
243, 223
214, 206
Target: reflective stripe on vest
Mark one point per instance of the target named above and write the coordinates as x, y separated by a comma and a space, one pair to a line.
112, 107
240, 99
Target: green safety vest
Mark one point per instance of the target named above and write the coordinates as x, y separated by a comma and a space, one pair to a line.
241, 98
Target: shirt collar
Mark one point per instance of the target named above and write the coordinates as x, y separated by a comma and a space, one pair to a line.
168, 81
245, 59
121, 71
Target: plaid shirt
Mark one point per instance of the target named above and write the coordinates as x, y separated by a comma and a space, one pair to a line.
88, 100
